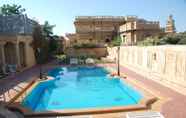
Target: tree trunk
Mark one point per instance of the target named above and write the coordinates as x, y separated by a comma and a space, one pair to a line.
118, 61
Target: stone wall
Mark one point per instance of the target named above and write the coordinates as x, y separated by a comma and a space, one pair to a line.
29, 51
16, 50
96, 52
157, 62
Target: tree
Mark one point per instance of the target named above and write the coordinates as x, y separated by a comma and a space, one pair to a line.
48, 29
46, 41
116, 41
14, 9
53, 44
50, 37
39, 44
118, 44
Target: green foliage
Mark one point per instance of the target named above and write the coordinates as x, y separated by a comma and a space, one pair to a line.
14, 9
170, 40
62, 58
39, 44
45, 41
88, 45
149, 41
47, 32
116, 41
176, 39
182, 40
53, 44
82, 56
48, 29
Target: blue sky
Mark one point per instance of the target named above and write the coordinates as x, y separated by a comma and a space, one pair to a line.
62, 12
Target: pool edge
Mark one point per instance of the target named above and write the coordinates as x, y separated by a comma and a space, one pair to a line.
142, 105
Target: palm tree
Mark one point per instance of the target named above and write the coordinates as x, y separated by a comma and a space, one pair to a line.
48, 30
14, 9
42, 35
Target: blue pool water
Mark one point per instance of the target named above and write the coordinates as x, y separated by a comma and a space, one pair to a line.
80, 87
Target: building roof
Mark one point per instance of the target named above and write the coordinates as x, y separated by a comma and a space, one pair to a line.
16, 24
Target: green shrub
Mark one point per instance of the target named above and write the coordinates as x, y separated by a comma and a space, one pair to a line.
61, 58
150, 41
116, 41
88, 45
170, 39
175, 39
182, 41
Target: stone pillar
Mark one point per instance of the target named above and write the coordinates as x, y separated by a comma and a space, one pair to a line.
3, 56
26, 53
17, 55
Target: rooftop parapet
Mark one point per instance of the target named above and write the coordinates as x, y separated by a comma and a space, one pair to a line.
131, 18
78, 18
149, 22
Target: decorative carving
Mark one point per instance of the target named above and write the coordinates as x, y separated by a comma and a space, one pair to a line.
180, 65
170, 63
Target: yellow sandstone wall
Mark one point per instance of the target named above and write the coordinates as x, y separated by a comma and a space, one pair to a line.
16, 40
96, 52
165, 63
29, 51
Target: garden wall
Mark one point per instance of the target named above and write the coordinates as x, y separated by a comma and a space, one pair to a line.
96, 52
157, 62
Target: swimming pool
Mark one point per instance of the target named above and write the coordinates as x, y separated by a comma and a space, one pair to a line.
81, 87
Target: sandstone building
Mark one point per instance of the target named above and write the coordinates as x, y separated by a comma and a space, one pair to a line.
97, 29
15, 42
135, 29
71, 39
100, 30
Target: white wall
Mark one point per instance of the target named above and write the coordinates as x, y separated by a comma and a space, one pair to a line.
157, 62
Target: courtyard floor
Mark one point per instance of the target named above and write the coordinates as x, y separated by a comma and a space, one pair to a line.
171, 103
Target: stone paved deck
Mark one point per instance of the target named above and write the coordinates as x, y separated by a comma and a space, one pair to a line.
19, 80
174, 107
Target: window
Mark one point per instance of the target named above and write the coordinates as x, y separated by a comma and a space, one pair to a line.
107, 40
124, 39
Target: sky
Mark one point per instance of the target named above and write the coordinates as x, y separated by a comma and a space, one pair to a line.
62, 13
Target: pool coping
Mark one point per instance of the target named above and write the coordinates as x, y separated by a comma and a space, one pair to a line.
148, 99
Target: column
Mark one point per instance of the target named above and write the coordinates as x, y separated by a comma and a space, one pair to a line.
17, 55
3, 56
27, 53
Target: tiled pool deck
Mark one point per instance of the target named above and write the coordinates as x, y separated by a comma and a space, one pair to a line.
171, 104
174, 106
